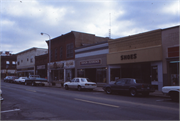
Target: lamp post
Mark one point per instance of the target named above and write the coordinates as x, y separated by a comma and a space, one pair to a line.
49, 56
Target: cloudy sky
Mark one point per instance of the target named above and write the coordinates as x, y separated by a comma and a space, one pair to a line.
22, 21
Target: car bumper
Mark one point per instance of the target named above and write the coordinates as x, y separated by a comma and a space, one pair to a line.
89, 87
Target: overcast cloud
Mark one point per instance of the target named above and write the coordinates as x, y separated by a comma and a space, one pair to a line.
22, 21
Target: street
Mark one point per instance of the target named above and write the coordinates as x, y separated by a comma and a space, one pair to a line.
49, 103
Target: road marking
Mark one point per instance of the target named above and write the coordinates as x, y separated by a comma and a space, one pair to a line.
10, 110
97, 103
31, 90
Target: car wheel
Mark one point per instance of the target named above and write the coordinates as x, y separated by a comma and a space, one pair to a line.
174, 96
108, 90
133, 92
66, 87
79, 88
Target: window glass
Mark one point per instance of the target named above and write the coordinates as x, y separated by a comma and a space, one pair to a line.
61, 52
77, 80
7, 62
84, 80
121, 81
72, 80
70, 50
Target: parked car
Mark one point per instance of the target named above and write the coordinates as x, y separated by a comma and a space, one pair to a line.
35, 80
172, 91
20, 80
129, 85
10, 79
1, 98
80, 83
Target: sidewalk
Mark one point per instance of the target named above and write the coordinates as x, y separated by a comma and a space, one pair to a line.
99, 89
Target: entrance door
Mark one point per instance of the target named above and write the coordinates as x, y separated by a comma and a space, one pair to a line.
68, 75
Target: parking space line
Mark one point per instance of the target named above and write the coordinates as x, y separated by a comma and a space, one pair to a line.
10, 110
97, 103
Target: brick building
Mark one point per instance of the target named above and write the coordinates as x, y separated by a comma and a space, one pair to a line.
62, 64
8, 64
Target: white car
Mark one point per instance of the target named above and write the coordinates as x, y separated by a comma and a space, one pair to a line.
80, 83
172, 91
20, 80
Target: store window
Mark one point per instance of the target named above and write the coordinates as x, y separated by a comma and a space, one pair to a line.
174, 72
81, 73
101, 75
115, 74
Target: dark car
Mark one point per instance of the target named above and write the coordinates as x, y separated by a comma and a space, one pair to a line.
35, 80
10, 79
130, 85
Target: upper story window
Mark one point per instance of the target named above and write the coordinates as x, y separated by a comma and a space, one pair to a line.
31, 60
7, 62
27, 59
61, 53
70, 50
18, 63
14, 62
21, 61
55, 54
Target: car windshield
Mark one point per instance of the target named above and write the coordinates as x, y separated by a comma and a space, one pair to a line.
84, 80
137, 80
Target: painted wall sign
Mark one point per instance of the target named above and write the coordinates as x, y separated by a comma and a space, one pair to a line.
128, 57
90, 62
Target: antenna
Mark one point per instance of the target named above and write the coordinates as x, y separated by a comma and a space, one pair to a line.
109, 25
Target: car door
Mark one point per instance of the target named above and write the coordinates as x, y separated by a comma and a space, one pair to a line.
118, 86
76, 83
71, 83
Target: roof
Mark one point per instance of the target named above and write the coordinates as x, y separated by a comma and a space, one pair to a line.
33, 48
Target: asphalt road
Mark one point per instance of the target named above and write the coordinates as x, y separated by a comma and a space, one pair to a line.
49, 103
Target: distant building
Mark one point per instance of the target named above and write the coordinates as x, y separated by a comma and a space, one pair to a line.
170, 42
62, 64
8, 64
26, 60
41, 65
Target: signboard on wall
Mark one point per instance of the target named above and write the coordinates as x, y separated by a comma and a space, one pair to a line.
90, 62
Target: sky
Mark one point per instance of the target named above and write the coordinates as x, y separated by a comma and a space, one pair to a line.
22, 21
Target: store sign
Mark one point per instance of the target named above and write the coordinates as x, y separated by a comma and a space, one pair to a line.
90, 62
41, 67
69, 64
128, 57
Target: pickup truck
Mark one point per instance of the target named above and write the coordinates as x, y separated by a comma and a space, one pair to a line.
35, 80
172, 91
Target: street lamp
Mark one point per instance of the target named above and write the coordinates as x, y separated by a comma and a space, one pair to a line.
49, 56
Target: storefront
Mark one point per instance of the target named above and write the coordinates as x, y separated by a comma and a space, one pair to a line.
137, 56
62, 70
173, 65
170, 42
91, 62
94, 68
